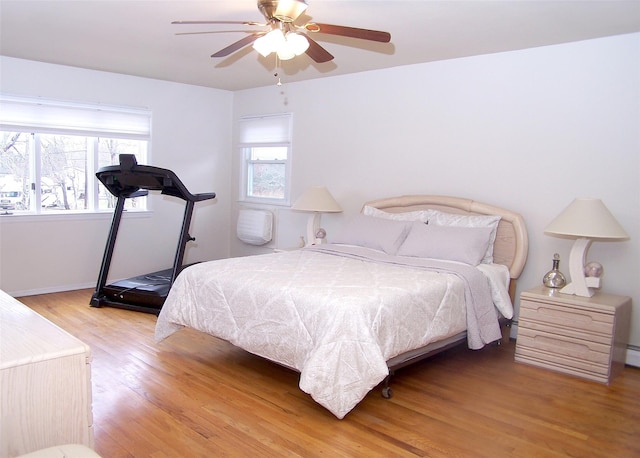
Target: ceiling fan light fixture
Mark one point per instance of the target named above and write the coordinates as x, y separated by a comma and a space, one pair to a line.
270, 42
292, 46
262, 46
285, 53
297, 43
289, 10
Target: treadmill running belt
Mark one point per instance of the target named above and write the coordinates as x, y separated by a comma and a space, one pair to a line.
146, 290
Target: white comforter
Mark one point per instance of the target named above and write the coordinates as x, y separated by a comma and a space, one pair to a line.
336, 319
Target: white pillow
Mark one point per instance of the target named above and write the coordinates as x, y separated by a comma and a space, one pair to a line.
377, 233
419, 215
450, 243
450, 219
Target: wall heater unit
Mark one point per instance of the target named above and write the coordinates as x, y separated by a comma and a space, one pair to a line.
255, 227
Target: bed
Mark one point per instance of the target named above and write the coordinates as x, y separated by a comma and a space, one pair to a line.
404, 279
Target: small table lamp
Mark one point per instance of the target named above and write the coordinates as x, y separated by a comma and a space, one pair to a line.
318, 200
584, 220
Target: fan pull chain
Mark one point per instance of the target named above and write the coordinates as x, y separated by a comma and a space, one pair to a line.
279, 83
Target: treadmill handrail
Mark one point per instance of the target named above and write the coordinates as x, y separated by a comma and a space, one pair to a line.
129, 177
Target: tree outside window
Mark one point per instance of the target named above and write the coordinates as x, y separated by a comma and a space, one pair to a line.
44, 173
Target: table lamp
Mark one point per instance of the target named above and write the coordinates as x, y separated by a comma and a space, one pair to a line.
585, 220
316, 199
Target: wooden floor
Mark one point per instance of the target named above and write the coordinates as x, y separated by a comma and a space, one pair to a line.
195, 396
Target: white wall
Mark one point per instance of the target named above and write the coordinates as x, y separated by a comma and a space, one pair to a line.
527, 130
190, 135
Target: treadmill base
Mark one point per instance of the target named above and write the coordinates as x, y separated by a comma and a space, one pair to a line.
144, 293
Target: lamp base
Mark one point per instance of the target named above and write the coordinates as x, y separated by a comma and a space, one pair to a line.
580, 285
590, 283
313, 224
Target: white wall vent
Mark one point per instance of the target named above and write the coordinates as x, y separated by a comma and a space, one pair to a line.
255, 226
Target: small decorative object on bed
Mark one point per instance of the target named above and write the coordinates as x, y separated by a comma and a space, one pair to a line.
346, 315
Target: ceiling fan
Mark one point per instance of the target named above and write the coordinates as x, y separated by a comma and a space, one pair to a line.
286, 39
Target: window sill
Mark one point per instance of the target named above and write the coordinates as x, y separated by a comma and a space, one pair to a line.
265, 202
69, 216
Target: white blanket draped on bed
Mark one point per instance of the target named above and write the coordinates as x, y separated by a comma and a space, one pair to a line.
335, 317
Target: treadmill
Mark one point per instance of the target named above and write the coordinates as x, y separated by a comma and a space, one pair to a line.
144, 293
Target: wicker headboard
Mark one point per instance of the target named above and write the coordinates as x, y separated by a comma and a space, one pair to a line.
512, 243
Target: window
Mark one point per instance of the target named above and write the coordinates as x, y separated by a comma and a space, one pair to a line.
265, 144
50, 151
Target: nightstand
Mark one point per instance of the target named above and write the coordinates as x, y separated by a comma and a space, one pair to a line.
582, 336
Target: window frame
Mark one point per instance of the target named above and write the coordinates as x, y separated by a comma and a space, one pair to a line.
255, 132
92, 122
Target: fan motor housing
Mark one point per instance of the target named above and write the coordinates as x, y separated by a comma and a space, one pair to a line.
288, 12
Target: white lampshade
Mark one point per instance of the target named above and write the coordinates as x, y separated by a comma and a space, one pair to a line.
318, 200
584, 220
588, 218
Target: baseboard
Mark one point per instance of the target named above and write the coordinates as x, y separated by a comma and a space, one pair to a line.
632, 357
52, 289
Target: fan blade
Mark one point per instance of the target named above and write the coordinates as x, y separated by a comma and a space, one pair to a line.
317, 52
352, 32
238, 44
220, 22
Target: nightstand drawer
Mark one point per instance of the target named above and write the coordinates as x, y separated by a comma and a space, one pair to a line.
580, 368
570, 317
563, 331
564, 346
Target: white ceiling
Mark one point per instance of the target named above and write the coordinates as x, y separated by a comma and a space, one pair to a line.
136, 37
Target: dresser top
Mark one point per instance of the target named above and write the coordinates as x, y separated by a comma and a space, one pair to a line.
27, 337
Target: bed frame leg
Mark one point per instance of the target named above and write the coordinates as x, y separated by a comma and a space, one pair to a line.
387, 392
506, 333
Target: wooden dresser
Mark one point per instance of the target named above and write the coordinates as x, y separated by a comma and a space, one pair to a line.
582, 336
45, 383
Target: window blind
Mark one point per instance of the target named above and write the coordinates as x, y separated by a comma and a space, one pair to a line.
21, 114
265, 129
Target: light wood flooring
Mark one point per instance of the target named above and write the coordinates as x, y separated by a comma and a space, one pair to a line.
196, 396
